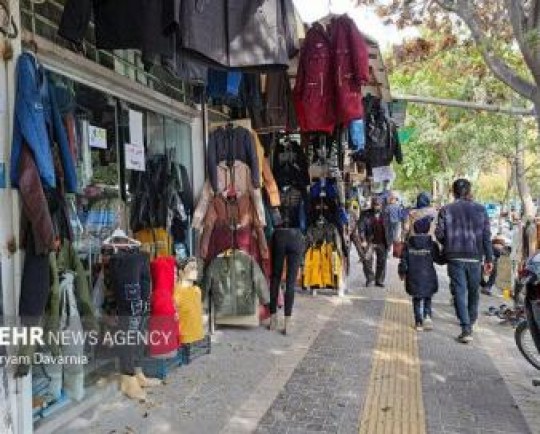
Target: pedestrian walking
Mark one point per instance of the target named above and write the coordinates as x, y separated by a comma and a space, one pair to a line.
394, 213
464, 230
417, 268
423, 208
375, 234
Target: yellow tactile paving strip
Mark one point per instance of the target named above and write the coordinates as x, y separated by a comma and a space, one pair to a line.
394, 402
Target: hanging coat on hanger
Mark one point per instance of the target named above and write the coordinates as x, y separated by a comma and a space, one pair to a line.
351, 66
314, 95
240, 33
121, 24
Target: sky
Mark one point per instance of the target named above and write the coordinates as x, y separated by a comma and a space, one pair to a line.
366, 19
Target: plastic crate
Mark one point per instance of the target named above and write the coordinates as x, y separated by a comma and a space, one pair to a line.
160, 368
195, 350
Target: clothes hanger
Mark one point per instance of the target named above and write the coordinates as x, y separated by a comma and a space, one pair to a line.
119, 239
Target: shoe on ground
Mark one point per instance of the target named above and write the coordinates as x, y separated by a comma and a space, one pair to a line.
130, 387
428, 323
465, 338
287, 326
487, 291
419, 327
273, 324
380, 285
369, 283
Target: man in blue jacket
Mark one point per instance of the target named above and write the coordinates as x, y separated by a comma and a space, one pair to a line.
464, 230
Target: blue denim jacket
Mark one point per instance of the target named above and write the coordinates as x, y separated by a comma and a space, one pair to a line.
36, 113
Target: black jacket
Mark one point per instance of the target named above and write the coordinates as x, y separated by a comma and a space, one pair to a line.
121, 24
290, 165
382, 141
464, 230
416, 264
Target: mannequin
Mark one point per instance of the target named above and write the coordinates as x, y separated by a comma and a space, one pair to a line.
188, 301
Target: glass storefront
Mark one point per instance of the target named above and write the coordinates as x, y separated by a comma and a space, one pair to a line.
99, 126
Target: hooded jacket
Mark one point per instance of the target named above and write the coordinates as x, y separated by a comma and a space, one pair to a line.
417, 265
313, 92
351, 66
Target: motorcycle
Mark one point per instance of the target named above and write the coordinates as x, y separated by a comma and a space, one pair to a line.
527, 292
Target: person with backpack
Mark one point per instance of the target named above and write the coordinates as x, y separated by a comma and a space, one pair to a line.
417, 269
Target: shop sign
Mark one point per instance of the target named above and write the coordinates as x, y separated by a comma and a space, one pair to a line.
134, 156
97, 137
384, 173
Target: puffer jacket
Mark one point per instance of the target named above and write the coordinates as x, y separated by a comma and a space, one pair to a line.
417, 265
351, 66
236, 281
313, 92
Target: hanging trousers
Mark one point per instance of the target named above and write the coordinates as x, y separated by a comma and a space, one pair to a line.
287, 245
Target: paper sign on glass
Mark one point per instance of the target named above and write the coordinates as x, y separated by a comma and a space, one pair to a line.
134, 156
384, 173
136, 128
97, 137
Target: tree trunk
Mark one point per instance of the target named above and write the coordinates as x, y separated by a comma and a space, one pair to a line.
528, 208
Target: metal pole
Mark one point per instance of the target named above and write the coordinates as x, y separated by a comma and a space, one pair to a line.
514, 111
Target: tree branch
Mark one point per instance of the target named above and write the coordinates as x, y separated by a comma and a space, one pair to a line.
499, 68
534, 15
527, 43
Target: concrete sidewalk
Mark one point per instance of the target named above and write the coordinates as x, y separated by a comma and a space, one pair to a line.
353, 365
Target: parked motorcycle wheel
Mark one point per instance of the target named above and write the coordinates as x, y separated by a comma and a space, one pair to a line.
525, 344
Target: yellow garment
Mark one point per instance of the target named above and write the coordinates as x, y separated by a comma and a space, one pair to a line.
156, 242
187, 300
337, 267
326, 265
312, 274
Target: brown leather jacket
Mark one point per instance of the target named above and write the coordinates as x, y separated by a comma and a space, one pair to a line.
241, 212
35, 214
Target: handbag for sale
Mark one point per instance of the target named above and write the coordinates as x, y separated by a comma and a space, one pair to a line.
397, 249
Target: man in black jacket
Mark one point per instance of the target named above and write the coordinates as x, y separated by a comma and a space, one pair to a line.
464, 230
375, 236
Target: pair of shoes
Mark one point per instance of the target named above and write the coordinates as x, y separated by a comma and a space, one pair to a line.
379, 284
428, 323
419, 327
465, 337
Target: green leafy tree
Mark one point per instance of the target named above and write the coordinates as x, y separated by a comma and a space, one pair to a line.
506, 34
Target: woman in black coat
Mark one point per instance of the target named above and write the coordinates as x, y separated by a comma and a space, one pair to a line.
418, 269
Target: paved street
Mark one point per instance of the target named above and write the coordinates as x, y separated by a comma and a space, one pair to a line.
353, 365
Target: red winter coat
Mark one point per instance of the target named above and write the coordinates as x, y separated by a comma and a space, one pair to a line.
163, 318
351, 63
332, 67
314, 88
